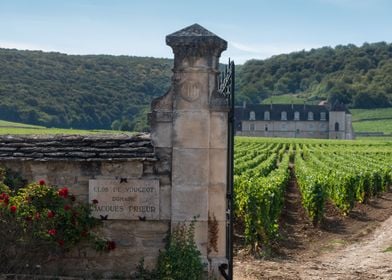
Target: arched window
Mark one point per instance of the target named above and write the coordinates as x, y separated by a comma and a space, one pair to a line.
310, 116
283, 116
296, 116
252, 116
323, 116
266, 115
336, 126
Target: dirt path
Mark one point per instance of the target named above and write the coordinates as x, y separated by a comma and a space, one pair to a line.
351, 247
366, 259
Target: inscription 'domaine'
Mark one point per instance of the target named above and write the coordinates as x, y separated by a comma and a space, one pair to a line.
124, 199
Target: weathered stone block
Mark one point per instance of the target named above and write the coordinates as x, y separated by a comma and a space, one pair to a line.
122, 169
165, 202
218, 130
217, 201
219, 248
148, 168
191, 129
218, 163
190, 167
161, 135
189, 202
164, 163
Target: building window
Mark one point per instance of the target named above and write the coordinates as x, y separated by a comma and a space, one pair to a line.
252, 126
323, 116
283, 116
296, 116
310, 116
336, 126
266, 127
266, 115
252, 116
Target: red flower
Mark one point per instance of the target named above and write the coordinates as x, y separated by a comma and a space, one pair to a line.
63, 192
41, 182
13, 209
60, 242
110, 245
4, 198
37, 216
95, 201
67, 207
52, 232
50, 214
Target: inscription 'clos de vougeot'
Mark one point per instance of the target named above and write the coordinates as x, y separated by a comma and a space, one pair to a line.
125, 199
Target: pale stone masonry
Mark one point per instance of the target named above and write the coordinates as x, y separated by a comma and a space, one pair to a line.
177, 174
295, 121
190, 121
74, 160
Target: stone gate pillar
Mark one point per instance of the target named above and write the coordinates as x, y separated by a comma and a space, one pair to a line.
191, 120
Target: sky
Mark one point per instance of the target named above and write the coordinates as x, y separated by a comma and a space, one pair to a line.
254, 29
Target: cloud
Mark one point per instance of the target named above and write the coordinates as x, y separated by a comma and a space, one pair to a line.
242, 52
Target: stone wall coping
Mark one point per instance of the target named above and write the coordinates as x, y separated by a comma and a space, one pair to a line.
116, 147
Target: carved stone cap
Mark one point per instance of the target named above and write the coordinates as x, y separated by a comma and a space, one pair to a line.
197, 40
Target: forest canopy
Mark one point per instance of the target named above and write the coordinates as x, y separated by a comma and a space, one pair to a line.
361, 77
114, 92
90, 91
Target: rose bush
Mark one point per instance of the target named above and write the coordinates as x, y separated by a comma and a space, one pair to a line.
40, 220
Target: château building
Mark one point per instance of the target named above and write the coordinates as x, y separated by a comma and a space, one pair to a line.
295, 121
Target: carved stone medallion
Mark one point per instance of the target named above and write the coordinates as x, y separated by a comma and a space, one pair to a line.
190, 91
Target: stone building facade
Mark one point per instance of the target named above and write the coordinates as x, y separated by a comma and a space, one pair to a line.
294, 121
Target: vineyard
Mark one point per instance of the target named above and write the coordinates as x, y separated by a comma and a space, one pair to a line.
341, 173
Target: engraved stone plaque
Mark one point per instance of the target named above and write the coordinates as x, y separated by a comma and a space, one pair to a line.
124, 199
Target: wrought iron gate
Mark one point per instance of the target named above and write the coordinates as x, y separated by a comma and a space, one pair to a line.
226, 86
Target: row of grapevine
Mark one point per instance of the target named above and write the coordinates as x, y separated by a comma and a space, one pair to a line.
342, 172
259, 195
340, 176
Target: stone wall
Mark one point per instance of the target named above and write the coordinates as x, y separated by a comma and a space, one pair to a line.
187, 155
74, 160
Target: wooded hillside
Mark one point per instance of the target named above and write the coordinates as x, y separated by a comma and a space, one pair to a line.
358, 76
103, 92
92, 91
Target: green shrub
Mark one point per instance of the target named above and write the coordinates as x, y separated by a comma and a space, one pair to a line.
181, 259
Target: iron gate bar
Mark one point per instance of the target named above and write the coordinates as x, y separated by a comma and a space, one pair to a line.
226, 89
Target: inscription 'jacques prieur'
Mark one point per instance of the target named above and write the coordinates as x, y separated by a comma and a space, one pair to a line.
127, 200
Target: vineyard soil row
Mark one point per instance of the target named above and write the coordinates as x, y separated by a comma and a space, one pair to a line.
334, 194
